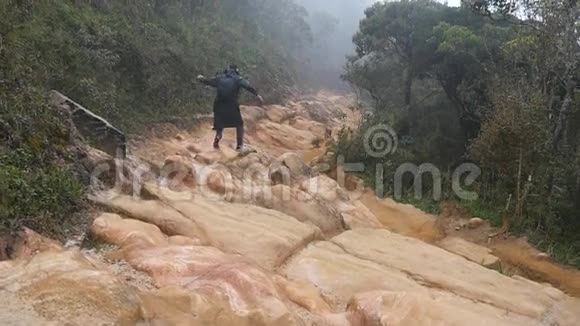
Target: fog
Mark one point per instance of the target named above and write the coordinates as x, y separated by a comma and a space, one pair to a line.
333, 24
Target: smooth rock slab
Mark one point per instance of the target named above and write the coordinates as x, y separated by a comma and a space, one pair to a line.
245, 292
381, 308
154, 212
68, 289
438, 268
470, 251
365, 260
268, 237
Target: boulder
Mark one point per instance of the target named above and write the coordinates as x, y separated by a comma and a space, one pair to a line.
220, 182
170, 221
295, 164
113, 229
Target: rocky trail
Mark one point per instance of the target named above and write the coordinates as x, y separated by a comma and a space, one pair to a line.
203, 237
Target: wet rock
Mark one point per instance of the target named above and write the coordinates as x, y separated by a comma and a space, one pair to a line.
442, 269
470, 251
412, 309
210, 157
113, 229
280, 175
252, 115
170, 221
304, 295
299, 205
68, 289
194, 148
317, 128
353, 213
245, 293
295, 164
274, 235
175, 306
283, 136
250, 160
317, 111
178, 240
279, 114
220, 182
179, 172
332, 270
383, 261
324, 188
356, 215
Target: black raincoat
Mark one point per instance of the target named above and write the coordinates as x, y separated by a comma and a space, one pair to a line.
226, 107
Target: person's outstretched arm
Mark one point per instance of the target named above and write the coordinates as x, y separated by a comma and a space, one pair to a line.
247, 86
209, 82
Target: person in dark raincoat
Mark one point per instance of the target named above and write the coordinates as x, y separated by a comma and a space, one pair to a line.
226, 107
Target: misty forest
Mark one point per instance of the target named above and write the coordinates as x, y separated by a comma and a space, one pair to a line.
490, 82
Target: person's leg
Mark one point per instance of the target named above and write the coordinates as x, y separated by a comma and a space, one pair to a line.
240, 137
218, 136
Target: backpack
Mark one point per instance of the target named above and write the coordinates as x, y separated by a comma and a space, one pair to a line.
227, 87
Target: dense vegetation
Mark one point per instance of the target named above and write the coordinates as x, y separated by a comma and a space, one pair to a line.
493, 83
133, 62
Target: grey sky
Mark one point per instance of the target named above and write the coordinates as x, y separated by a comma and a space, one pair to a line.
451, 3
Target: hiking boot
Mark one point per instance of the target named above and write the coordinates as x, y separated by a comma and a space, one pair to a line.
216, 144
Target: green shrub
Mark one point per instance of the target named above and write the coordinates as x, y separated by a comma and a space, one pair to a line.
43, 199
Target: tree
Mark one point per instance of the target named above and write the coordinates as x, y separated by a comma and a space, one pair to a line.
400, 29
